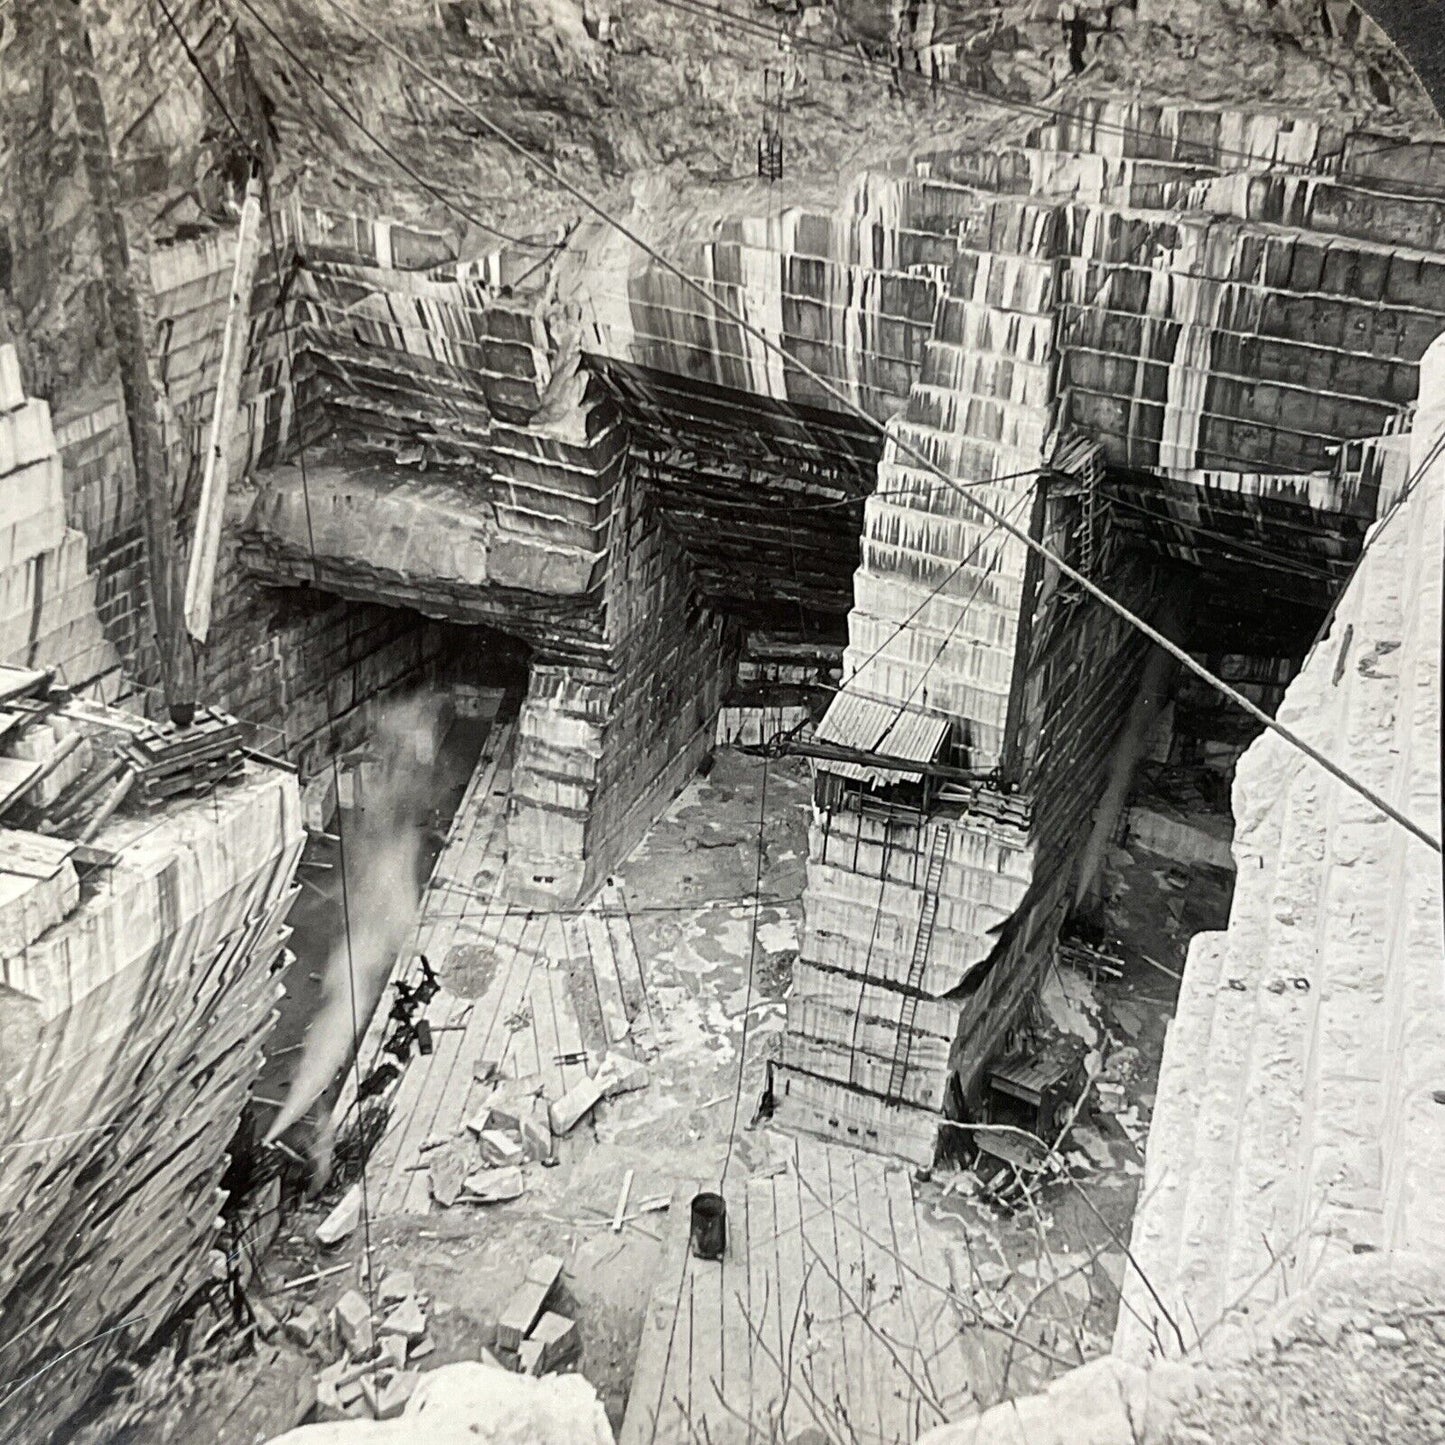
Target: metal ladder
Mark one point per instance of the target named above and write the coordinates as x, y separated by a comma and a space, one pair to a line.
922, 942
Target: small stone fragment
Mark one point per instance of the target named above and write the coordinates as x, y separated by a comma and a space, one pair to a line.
304, 1326
621, 1075
494, 1186
447, 1174
421, 1349
406, 1319
342, 1220
387, 1395
396, 1285
1390, 1335
553, 1340
353, 1323
498, 1149
266, 1323
573, 1105
394, 1349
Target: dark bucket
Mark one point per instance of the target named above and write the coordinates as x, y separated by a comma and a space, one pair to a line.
709, 1226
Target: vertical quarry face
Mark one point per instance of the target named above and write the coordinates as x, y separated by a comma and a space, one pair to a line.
1298, 1118
137, 976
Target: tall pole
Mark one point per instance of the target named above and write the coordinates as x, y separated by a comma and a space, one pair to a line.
142, 416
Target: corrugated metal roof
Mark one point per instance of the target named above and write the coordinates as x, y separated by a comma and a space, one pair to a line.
867, 725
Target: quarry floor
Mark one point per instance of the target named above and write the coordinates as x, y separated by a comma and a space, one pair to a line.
1040, 1280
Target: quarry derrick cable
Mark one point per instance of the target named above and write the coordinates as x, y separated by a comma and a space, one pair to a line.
907, 448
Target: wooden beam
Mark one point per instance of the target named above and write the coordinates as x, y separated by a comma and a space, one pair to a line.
142, 416
206, 545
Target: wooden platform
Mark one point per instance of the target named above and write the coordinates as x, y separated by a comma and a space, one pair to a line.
509, 1005
830, 1311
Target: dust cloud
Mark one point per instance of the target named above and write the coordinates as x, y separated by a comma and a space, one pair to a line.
383, 837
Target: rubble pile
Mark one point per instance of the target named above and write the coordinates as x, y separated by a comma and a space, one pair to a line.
487, 1161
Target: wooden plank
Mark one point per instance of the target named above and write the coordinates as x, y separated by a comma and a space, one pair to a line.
504, 997
435, 1071
861, 1346
450, 1074
544, 1034
826, 1304
521, 1042
637, 1003
764, 1316
206, 546
615, 1020
659, 1329
792, 1297
568, 1029
735, 1338
706, 1380
886, 1298
921, 1292
954, 1365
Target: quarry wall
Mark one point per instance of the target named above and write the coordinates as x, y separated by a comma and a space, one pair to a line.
1298, 1118
137, 986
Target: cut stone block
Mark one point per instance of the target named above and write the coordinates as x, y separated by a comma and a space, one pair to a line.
343, 1219
447, 1175
498, 1149
408, 1319
527, 1304
494, 1186
353, 1323
387, 1397
621, 1075
574, 1105
553, 1340
304, 1326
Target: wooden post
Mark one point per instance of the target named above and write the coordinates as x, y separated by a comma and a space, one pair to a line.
142, 418
206, 546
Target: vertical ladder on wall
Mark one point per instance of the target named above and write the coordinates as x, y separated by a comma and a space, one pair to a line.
922, 942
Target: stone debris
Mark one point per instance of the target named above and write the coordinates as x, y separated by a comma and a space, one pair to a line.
353, 1323
475, 1402
386, 1394
372, 1378
526, 1305
304, 1326
621, 1075
396, 1284
575, 1105
493, 1186
342, 1220
553, 1340
499, 1150
447, 1176
536, 1131
408, 1319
